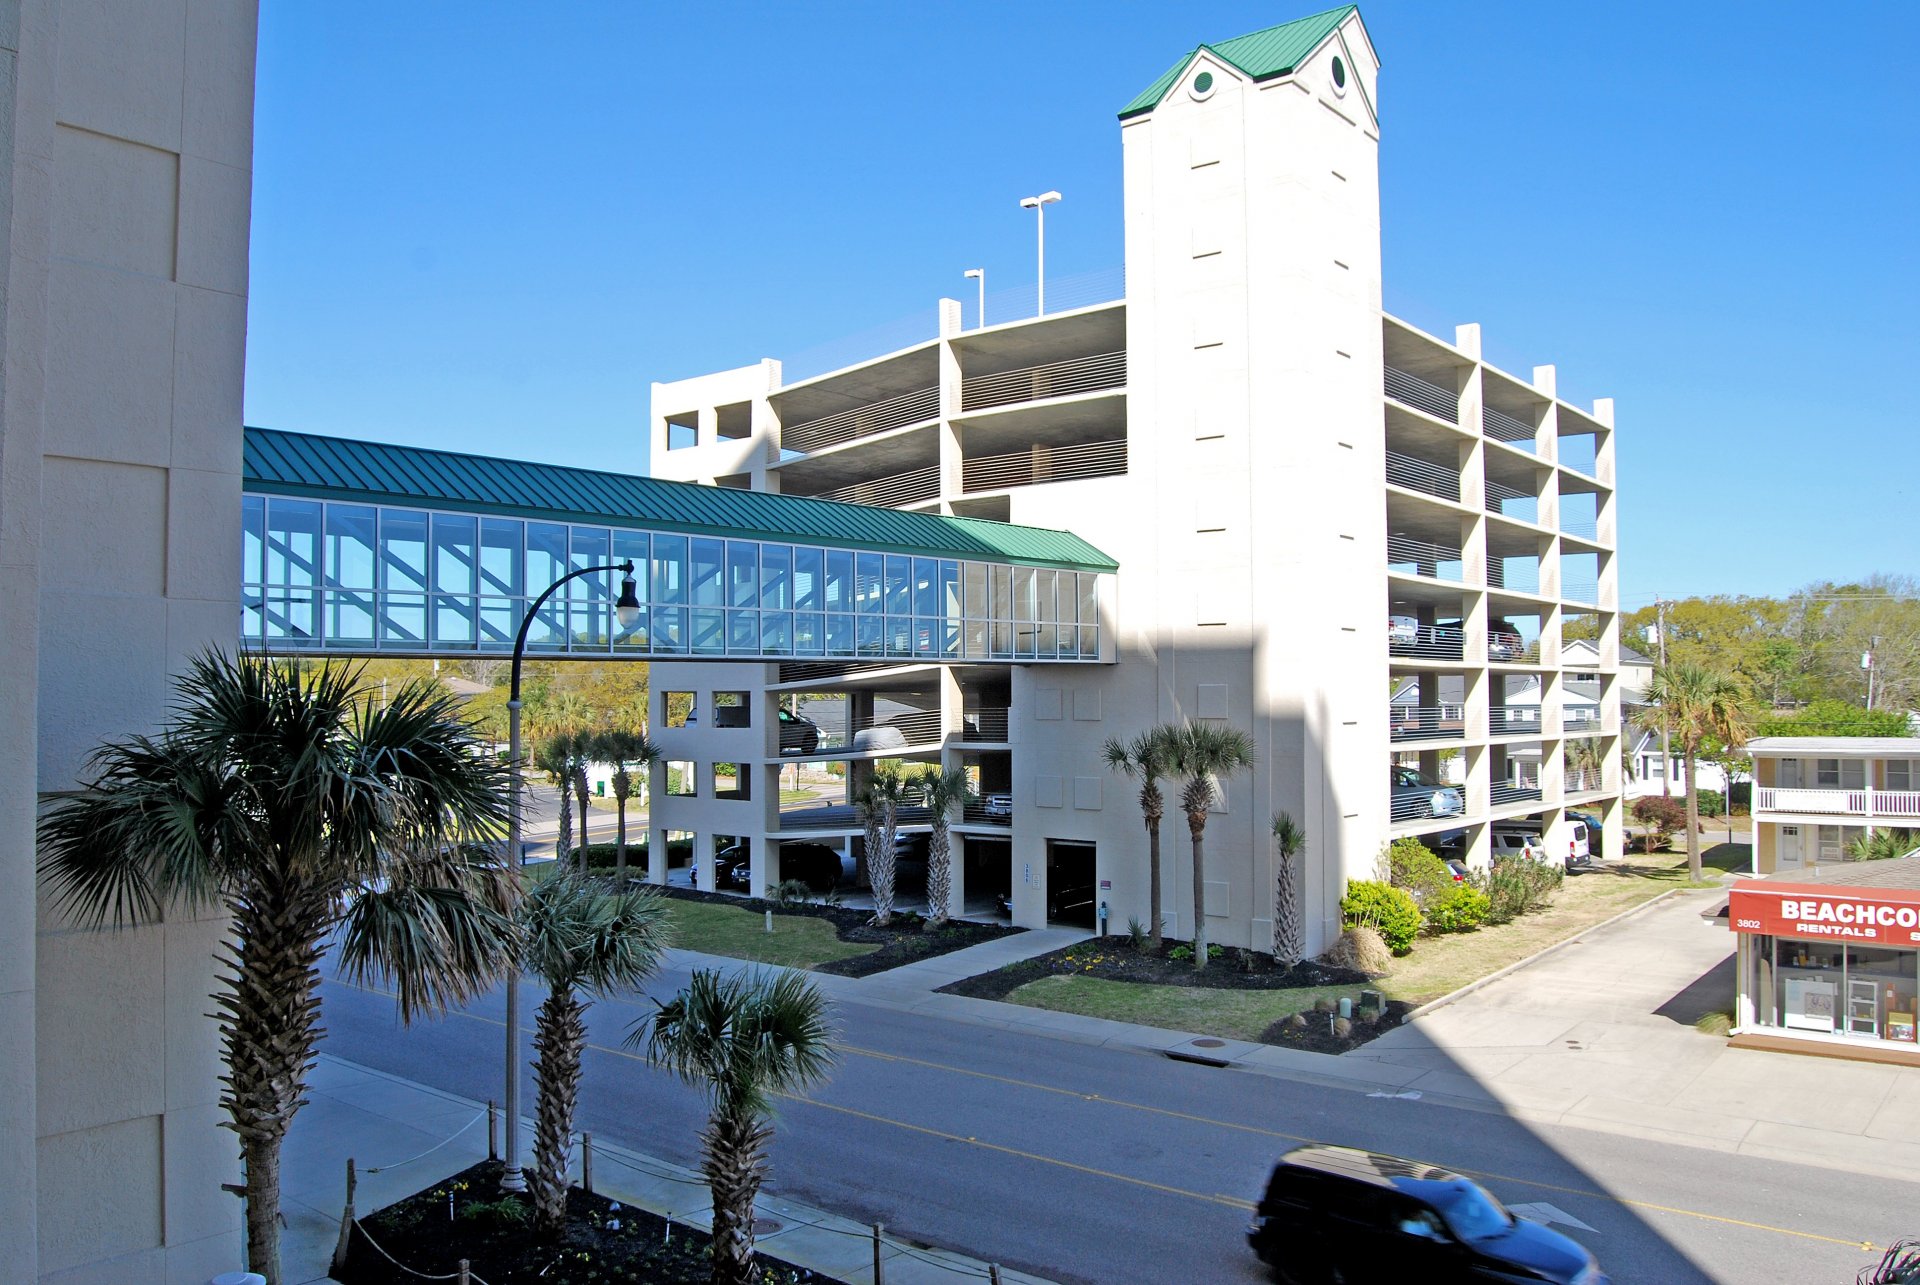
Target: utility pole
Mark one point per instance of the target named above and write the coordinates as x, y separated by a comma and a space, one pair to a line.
1866, 663
1660, 606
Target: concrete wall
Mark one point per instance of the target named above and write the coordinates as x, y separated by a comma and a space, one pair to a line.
126, 143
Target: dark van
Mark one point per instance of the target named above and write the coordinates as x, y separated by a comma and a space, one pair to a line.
1336, 1214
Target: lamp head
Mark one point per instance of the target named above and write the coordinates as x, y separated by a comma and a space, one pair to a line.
974, 272
626, 607
1035, 202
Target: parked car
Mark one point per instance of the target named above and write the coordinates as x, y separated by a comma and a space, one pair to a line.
1504, 642
798, 733
1415, 796
999, 805
1337, 1213
884, 737
1407, 637
1072, 902
1591, 820
815, 864
1520, 841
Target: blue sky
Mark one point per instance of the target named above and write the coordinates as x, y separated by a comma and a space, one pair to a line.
488, 227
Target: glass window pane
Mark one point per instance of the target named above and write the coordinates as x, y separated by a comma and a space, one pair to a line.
669, 570
1043, 600
776, 576
743, 633
776, 633
809, 633
348, 614
403, 552
973, 598
1023, 593
866, 583
499, 621
867, 635
899, 586
807, 591
403, 619
669, 623
950, 590
1000, 594
709, 631
743, 573
253, 538
293, 542
454, 621
839, 588
350, 537
500, 558
926, 587
706, 576
631, 546
1089, 598
454, 552
839, 634
546, 556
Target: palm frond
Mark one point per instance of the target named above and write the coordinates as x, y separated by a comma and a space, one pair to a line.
578, 934
437, 947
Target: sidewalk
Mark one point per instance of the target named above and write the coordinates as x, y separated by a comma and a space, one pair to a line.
381, 1120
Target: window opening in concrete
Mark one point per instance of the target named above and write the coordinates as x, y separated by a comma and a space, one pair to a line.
683, 430
681, 781
729, 782
733, 422
677, 708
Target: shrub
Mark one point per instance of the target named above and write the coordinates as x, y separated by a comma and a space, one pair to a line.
1138, 932
1459, 909
792, 892
1712, 803
1882, 844
1342, 1028
1663, 817
1358, 949
1389, 911
601, 856
1324, 1004
1180, 954
504, 1214
1518, 885
1413, 866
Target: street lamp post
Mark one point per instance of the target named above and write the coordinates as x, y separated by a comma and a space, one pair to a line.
1038, 204
980, 274
627, 610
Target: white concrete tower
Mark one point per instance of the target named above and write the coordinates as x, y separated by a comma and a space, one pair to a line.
1254, 368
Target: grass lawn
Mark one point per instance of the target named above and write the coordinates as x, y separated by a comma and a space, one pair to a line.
1437, 965
797, 941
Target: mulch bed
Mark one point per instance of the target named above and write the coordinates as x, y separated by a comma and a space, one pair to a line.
902, 941
1115, 959
604, 1242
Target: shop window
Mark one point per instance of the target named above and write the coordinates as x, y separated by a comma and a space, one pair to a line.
730, 782
681, 781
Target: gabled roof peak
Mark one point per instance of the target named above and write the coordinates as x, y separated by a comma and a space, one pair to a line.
1262, 55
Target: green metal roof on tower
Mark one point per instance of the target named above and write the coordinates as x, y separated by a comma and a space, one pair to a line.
334, 468
1262, 55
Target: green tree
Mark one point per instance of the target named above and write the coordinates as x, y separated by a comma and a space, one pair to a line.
576, 936
620, 748
1289, 934
1145, 758
1202, 753
878, 803
303, 811
556, 756
1835, 718
941, 791
744, 1039
1699, 704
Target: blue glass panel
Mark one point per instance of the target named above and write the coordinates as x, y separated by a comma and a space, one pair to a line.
743, 573
293, 542
839, 634
669, 623
867, 635
454, 620
839, 585
949, 590
899, 635
631, 546
743, 633
292, 614
403, 552
809, 633
631, 638
926, 587
546, 556
669, 573
349, 617
253, 538
808, 571
866, 582
709, 631
499, 621
403, 619
708, 575
776, 577
899, 585
776, 633
500, 559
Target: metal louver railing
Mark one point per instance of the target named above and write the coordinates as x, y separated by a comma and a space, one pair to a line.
986, 723
814, 671
1424, 558
1416, 474
1580, 527
1422, 394
1098, 373
1584, 591
914, 487
917, 726
1512, 502
1513, 720
1045, 464
1503, 427
862, 421
1425, 722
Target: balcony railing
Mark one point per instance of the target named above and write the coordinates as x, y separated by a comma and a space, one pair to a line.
1580, 720
1425, 722
986, 724
1583, 781
916, 727
1502, 651
1580, 591
1422, 394
1512, 502
1503, 792
1899, 805
813, 671
1427, 642
1418, 475
976, 813
1522, 575
862, 421
1424, 558
1502, 427
915, 487
1514, 720
1094, 374
1042, 464
1581, 527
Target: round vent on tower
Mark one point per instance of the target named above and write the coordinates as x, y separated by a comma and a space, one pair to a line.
1202, 86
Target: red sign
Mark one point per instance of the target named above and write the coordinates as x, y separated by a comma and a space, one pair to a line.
1884, 916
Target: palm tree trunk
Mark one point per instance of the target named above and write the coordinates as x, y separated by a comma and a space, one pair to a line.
1287, 945
939, 874
560, 1036
268, 1010
563, 837
735, 1165
620, 840
580, 791
1693, 815
1196, 826
1157, 935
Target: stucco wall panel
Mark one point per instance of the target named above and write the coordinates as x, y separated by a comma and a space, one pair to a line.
114, 202
217, 105
104, 1218
209, 372
100, 1028
201, 564
106, 676
200, 1155
215, 205
109, 364
119, 68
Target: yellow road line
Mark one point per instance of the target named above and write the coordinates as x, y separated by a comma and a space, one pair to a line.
1231, 1201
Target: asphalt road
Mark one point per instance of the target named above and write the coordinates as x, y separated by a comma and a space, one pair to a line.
1098, 1165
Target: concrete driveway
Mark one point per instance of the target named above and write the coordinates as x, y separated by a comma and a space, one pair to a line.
1600, 1034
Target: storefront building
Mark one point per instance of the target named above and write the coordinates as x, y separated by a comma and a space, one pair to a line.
1830, 962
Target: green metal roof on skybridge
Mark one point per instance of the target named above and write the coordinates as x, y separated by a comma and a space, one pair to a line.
333, 468
1261, 55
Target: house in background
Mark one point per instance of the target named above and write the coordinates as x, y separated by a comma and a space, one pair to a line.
1813, 795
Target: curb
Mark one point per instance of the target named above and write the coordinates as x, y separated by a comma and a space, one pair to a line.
1542, 953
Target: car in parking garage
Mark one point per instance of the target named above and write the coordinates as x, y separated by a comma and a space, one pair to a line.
1415, 796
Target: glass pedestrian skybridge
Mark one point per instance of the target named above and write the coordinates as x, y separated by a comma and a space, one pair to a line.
361, 548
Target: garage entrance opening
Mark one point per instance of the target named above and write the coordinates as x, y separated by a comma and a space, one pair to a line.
987, 875
1070, 883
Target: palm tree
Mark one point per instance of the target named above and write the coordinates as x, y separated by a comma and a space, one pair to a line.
1698, 704
1203, 752
1289, 939
277, 795
878, 802
621, 748
576, 936
554, 756
744, 1038
1145, 757
942, 792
